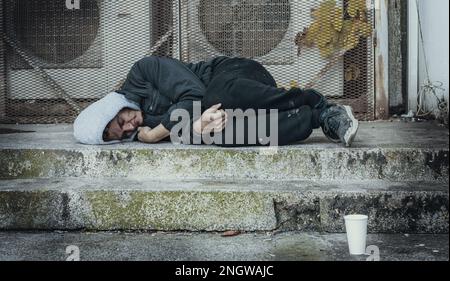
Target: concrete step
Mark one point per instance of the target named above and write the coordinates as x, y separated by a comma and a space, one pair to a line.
391, 151
289, 246
206, 205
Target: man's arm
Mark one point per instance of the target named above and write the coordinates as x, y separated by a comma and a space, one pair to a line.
175, 80
148, 135
213, 119
170, 78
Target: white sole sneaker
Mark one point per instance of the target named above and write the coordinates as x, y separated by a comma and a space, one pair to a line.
353, 130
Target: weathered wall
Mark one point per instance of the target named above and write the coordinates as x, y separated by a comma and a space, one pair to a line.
435, 21
396, 58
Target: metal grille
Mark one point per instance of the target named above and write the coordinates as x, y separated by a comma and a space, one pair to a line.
88, 51
56, 36
266, 31
247, 29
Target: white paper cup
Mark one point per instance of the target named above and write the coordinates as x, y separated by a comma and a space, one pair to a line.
356, 227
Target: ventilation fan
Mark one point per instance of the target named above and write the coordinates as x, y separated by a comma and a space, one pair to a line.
86, 51
263, 30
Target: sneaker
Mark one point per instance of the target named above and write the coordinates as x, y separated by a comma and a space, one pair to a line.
339, 124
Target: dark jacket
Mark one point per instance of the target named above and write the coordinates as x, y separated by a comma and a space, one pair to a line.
161, 85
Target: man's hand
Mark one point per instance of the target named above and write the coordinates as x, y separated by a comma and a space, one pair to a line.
149, 135
213, 119
143, 133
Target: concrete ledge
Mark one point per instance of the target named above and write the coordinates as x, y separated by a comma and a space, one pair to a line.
294, 164
391, 151
125, 204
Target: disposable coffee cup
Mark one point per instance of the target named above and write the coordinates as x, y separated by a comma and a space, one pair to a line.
356, 227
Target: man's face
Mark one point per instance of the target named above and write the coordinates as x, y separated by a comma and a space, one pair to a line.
123, 125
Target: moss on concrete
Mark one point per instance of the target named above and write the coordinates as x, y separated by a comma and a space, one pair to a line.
179, 210
392, 164
30, 210
110, 205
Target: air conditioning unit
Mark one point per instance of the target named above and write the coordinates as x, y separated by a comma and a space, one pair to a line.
87, 51
263, 30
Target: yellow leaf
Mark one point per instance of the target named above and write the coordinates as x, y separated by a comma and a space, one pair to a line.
335, 39
362, 6
352, 8
363, 16
352, 38
326, 51
330, 32
325, 36
365, 29
324, 11
355, 7
312, 33
338, 19
346, 29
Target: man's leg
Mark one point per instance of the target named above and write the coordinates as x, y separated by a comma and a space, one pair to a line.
248, 85
242, 93
245, 83
246, 93
293, 126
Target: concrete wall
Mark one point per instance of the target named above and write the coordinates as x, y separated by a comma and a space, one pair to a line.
398, 55
435, 23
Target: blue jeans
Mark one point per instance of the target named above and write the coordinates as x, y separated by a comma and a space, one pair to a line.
244, 84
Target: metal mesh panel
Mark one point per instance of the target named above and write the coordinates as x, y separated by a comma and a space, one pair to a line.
56, 36
86, 61
87, 52
247, 28
266, 31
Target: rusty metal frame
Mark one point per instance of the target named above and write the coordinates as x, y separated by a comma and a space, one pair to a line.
2, 68
413, 56
381, 60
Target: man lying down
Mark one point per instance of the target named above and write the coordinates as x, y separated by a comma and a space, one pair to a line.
150, 104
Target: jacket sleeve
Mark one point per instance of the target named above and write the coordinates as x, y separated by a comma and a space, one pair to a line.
169, 77
204, 69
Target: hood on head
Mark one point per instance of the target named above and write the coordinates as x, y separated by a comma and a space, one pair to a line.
89, 126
